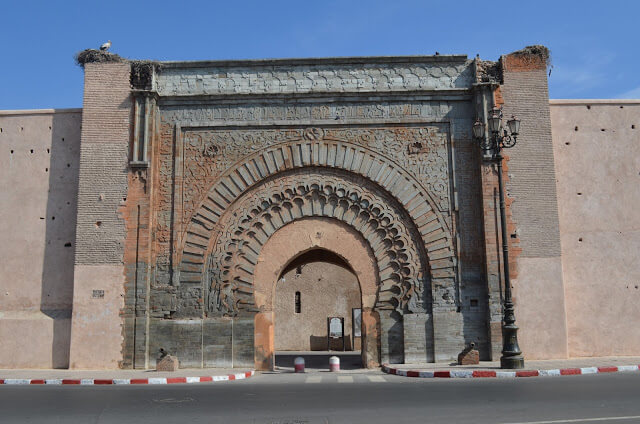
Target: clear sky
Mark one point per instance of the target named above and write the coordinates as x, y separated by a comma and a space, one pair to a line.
594, 44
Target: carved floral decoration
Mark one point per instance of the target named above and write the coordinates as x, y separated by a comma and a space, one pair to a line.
423, 151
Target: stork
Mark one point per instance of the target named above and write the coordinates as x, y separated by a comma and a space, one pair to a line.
104, 47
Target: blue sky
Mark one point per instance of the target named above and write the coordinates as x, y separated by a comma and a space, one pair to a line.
594, 45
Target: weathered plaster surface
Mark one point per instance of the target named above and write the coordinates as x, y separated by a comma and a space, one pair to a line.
39, 155
96, 335
597, 158
540, 309
33, 339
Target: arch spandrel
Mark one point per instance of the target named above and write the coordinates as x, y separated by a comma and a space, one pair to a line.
241, 159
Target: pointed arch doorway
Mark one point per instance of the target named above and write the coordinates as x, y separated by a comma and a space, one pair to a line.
314, 248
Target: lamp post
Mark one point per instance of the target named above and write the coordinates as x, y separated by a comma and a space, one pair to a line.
498, 139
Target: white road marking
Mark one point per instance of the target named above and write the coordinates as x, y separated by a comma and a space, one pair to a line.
345, 379
313, 379
580, 420
376, 379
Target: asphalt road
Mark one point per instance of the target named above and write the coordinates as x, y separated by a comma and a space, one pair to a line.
330, 398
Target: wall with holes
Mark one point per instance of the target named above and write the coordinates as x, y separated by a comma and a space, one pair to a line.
596, 146
39, 154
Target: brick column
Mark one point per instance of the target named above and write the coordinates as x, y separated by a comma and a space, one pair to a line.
96, 333
532, 203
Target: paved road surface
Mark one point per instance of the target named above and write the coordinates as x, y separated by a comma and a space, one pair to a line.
369, 397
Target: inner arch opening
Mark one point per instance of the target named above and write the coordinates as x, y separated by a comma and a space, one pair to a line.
314, 287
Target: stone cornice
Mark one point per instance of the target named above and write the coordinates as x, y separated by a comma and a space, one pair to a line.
349, 60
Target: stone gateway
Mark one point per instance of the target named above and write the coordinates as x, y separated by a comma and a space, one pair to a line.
228, 209
240, 152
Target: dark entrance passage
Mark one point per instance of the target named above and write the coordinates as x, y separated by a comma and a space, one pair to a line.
315, 288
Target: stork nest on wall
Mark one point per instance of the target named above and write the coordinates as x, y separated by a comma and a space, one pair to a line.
141, 70
489, 71
92, 55
142, 73
536, 50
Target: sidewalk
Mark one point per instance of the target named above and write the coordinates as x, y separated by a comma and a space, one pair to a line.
534, 368
91, 377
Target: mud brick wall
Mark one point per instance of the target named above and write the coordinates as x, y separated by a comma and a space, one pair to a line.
96, 334
597, 151
531, 189
104, 157
39, 157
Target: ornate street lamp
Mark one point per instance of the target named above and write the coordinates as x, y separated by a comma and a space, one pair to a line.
498, 139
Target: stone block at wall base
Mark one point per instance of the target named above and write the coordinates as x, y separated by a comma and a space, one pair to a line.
469, 356
210, 343
418, 338
243, 342
180, 337
448, 338
217, 339
168, 363
391, 337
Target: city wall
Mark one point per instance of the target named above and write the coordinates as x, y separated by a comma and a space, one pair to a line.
596, 146
39, 161
93, 266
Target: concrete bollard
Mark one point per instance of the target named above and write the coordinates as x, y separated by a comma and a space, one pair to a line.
298, 364
334, 363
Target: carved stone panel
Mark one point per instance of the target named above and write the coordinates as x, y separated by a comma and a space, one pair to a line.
208, 174
213, 79
292, 113
209, 152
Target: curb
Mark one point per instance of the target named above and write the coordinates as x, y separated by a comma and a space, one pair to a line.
124, 381
508, 374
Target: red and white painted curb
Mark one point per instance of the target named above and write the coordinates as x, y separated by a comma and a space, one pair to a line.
157, 380
508, 374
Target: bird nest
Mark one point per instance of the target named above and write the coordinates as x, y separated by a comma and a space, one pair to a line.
92, 55
535, 50
142, 73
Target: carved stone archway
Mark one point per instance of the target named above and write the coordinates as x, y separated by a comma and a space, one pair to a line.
401, 261
315, 149
314, 176
402, 281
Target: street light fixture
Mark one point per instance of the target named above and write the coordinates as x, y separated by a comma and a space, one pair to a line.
498, 139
